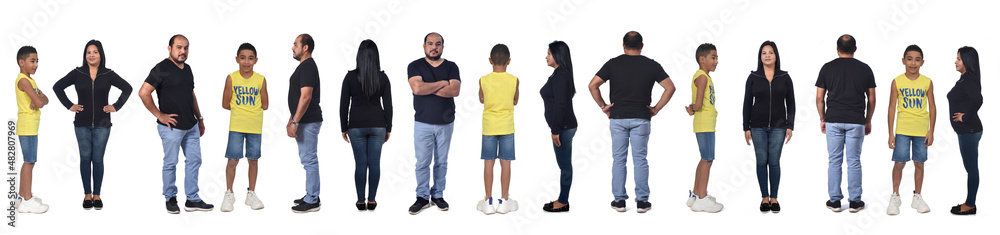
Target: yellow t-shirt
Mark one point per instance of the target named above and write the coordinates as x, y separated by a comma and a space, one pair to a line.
246, 114
704, 118
912, 117
498, 108
27, 117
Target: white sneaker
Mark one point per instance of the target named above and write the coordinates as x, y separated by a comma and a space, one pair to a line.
33, 205
227, 201
706, 204
506, 206
253, 201
919, 204
894, 203
486, 206
691, 198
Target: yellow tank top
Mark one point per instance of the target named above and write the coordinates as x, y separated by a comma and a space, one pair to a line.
912, 117
246, 114
27, 117
704, 118
498, 108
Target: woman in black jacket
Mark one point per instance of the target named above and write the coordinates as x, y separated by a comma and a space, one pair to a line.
768, 120
366, 120
93, 82
557, 95
964, 101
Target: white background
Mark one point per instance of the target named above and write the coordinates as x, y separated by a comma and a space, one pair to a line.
135, 38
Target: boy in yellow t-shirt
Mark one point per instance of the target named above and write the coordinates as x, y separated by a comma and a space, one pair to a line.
245, 96
703, 109
498, 93
30, 100
911, 95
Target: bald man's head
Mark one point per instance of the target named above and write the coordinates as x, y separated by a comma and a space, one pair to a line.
846, 44
632, 40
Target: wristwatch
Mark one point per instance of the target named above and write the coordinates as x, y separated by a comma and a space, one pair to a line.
201, 118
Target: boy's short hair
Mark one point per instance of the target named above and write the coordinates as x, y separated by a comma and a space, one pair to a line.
24, 52
500, 55
632, 40
846, 44
246, 46
913, 48
703, 51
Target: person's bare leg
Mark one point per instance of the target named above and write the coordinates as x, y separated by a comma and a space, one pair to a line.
25, 189
88, 197
231, 173
252, 174
96, 197
918, 176
765, 200
488, 177
697, 180
504, 178
897, 176
701, 186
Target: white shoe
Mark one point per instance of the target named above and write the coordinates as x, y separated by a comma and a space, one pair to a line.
506, 206
706, 204
33, 205
253, 201
486, 206
894, 203
691, 198
919, 204
227, 201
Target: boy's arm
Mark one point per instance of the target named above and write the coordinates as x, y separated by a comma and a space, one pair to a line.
517, 90
263, 95
227, 93
701, 82
933, 115
36, 100
482, 97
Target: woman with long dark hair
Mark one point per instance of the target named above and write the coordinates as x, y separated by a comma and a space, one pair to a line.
557, 95
93, 81
366, 119
964, 101
768, 120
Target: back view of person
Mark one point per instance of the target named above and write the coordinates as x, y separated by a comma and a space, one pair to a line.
366, 120
498, 92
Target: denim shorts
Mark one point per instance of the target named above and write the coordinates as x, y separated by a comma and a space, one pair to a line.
234, 150
29, 147
706, 145
904, 144
498, 146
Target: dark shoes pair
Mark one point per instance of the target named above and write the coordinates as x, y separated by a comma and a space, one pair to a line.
770, 207
421, 204
301, 206
363, 206
96, 204
189, 206
855, 206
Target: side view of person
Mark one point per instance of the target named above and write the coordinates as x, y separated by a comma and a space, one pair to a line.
964, 101
557, 96
702, 107
30, 101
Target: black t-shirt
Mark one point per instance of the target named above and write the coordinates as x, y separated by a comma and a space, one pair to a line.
632, 79
174, 92
305, 75
846, 80
358, 110
433, 109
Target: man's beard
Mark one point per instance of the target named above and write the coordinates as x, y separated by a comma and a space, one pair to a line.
438, 57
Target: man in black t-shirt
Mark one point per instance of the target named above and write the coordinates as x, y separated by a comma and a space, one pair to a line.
845, 83
179, 123
632, 77
306, 119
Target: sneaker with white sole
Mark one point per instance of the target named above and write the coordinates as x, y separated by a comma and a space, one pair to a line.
691, 198
894, 202
33, 205
253, 201
486, 206
706, 204
919, 204
507, 205
227, 201
618, 205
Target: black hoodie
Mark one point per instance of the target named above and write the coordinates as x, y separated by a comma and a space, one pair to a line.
769, 104
92, 94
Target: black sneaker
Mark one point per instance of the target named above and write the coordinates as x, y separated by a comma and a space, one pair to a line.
172, 206
419, 206
833, 206
190, 206
618, 205
643, 206
302, 200
305, 207
87, 204
441, 204
857, 206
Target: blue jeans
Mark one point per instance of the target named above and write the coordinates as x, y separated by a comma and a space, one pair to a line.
564, 158
767, 144
905, 144
839, 135
625, 132
93, 140
498, 146
29, 147
367, 144
968, 145
307, 138
431, 142
190, 141
234, 148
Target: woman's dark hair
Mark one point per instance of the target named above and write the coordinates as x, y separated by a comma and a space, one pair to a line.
100, 50
368, 68
560, 53
913, 48
970, 58
777, 58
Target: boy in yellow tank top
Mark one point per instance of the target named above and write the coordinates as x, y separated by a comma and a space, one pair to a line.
912, 108
245, 95
30, 100
498, 92
702, 107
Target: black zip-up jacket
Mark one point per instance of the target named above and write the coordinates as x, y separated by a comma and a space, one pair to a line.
769, 104
93, 95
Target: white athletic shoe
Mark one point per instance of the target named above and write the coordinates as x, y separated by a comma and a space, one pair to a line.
919, 204
486, 206
33, 205
706, 204
253, 201
227, 201
691, 198
894, 202
506, 206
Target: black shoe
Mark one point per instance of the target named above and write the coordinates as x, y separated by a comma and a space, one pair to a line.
305, 207
765, 207
87, 204
372, 205
548, 207
172, 206
643, 206
190, 206
361, 206
302, 200
775, 208
857, 206
833, 206
618, 205
957, 210
98, 204
441, 204
419, 206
